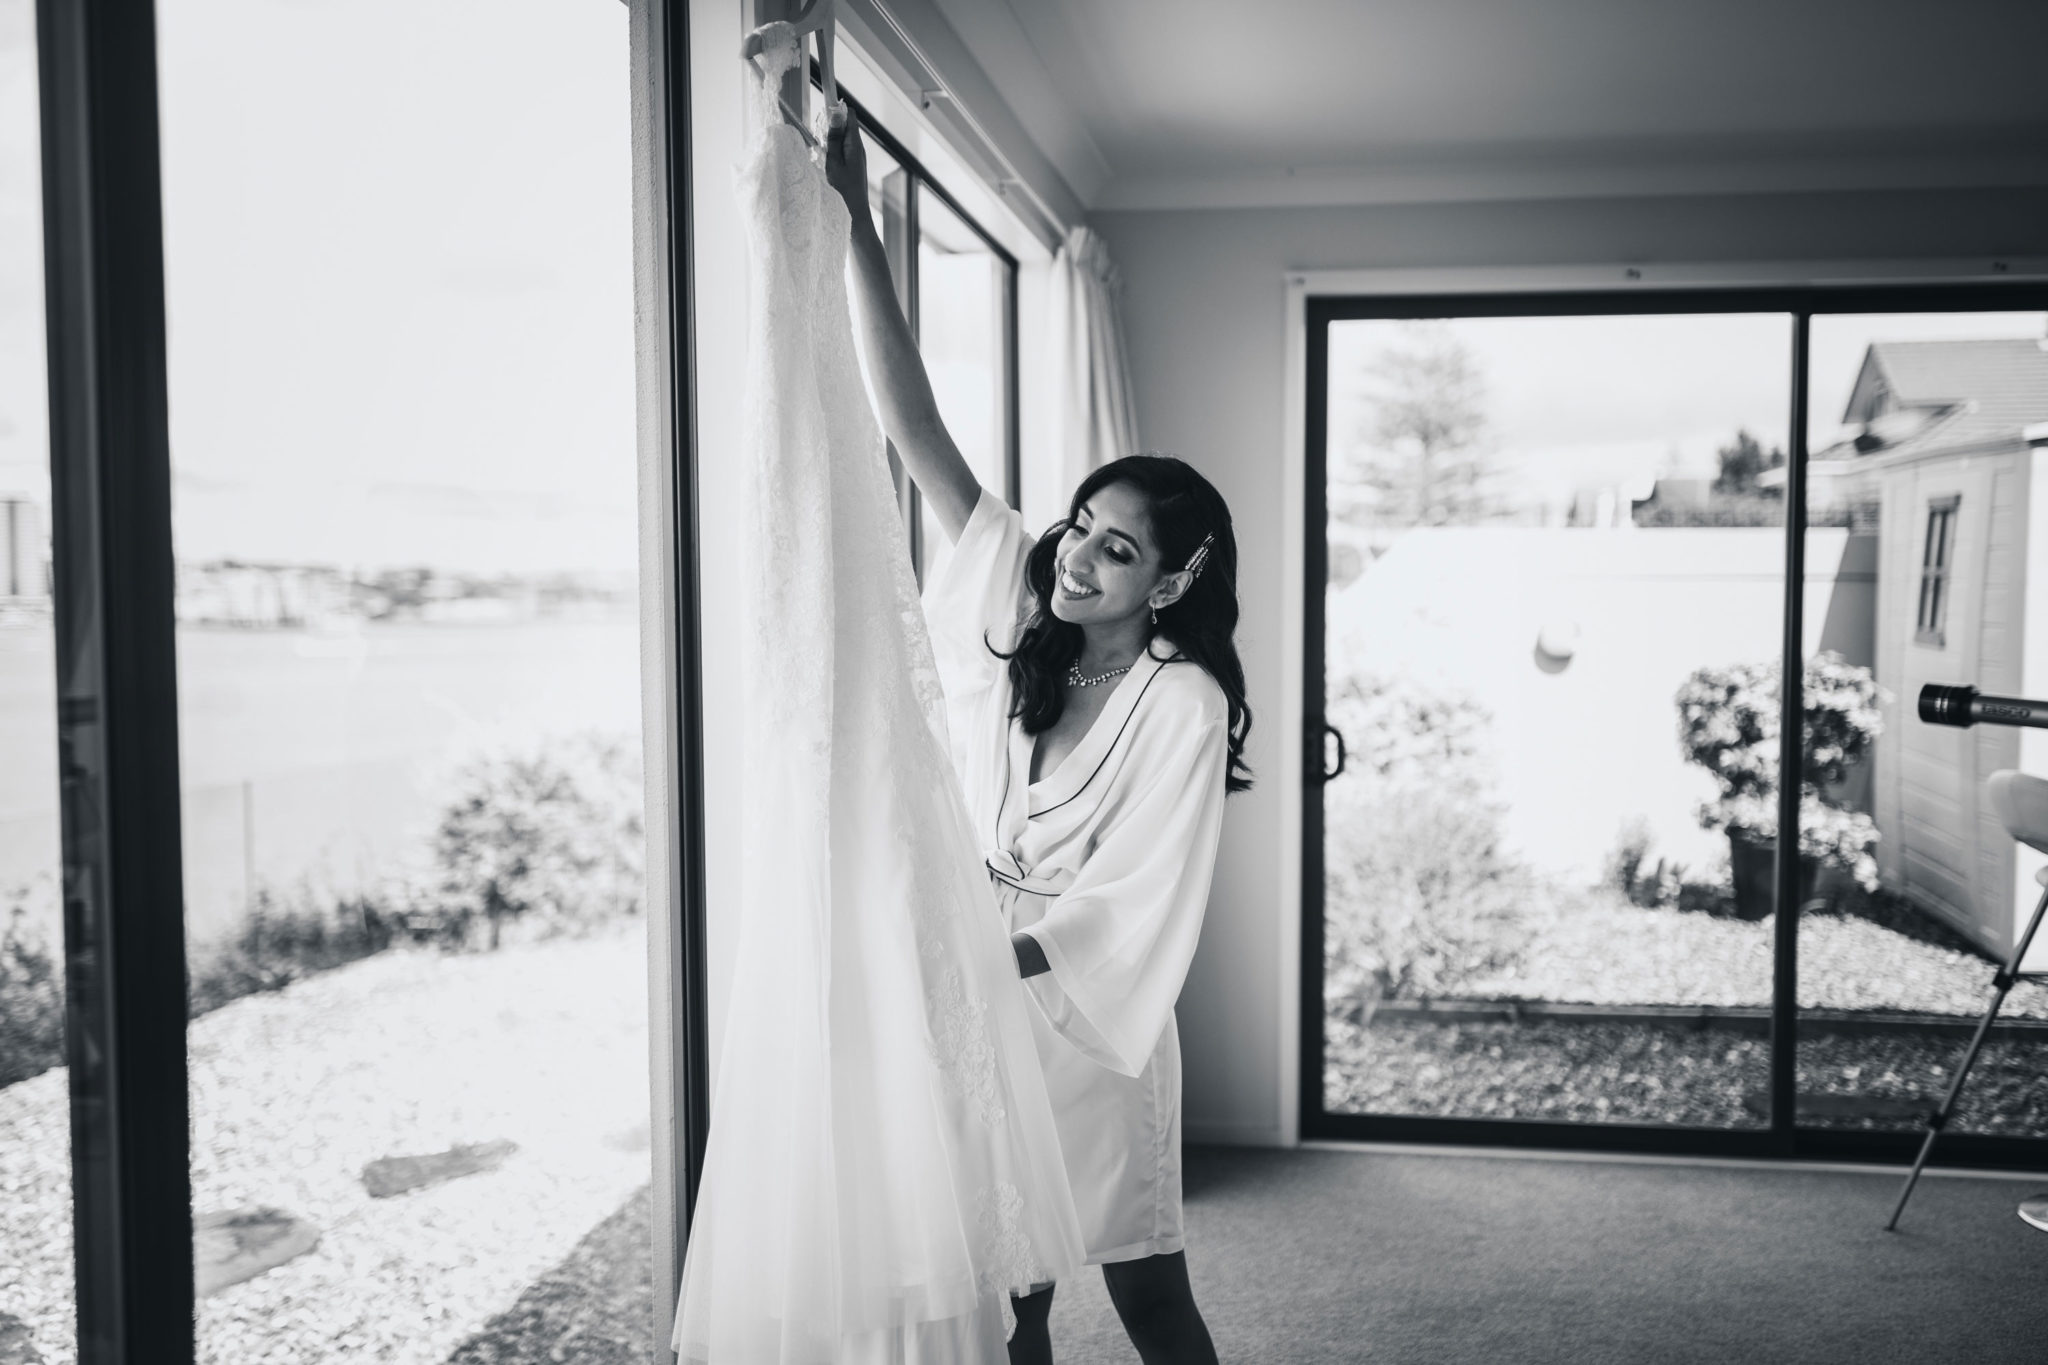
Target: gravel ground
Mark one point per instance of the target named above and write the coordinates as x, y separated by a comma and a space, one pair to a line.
595, 1308
1623, 1073
1598, 949
405, 1053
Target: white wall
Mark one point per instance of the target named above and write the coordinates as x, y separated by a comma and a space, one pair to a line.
1203, 307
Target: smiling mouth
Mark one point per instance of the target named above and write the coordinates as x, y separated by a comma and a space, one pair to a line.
1074, 587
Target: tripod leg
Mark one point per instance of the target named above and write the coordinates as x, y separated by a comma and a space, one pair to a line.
1939, 1119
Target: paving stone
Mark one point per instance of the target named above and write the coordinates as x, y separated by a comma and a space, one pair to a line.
395, 1175
239, 1244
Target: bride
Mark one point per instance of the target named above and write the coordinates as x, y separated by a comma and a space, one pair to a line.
1098, 718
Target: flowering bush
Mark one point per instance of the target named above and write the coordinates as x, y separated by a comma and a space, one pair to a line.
1728, 724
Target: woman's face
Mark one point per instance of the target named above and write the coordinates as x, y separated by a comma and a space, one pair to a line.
1106, 568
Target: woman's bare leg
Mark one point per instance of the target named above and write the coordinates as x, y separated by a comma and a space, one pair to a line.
1157, 1305
1031, 1343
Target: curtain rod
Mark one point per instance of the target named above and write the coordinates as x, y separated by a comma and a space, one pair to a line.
932, 86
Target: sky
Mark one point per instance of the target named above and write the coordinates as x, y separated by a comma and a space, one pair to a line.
398, 279
400, 299
24, 462
1616, 401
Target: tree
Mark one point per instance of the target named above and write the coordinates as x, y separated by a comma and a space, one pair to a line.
1742, 460
1423, 459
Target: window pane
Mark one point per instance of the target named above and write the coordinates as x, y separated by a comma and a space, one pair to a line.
401, 362
38, 1310
1936, 571
963, 334
888, 190
1556, 566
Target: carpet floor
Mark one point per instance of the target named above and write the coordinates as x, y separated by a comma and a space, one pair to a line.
1328, 1256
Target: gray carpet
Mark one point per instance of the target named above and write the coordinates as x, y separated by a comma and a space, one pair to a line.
1324, 1256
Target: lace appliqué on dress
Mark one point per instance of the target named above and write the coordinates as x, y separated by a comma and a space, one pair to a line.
1010, 1267
961, 1046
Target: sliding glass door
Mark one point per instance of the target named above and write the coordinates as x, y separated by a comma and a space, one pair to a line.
38, 1307
1927, 433
399, 288
1549, 612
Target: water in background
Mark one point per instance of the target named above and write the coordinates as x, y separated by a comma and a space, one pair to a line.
324, 755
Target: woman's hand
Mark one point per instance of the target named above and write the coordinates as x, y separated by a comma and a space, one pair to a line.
846, 161
1030, 954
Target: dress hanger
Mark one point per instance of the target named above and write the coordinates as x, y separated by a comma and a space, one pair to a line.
816, 18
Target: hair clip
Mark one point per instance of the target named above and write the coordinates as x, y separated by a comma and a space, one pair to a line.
1200, 557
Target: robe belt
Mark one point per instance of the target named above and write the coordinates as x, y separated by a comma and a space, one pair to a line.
1004, 868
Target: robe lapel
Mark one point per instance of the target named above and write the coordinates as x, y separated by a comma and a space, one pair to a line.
1074, 772
1015, 797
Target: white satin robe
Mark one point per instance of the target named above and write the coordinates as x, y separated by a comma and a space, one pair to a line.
1106, 861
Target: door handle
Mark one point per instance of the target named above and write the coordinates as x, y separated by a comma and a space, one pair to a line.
1330, 732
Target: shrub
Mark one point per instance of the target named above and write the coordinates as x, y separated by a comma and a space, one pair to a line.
287, 937
1728, 724
549, 838
1420, 900
1419, 897
1661, 884
1395, 729
31, 982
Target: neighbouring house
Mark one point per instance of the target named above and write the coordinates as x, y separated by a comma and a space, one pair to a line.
24, 549
1946, 461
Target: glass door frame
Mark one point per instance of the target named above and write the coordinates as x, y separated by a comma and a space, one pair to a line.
117, 707
1783, 1137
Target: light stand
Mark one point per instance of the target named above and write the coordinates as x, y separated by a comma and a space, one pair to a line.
2022, 804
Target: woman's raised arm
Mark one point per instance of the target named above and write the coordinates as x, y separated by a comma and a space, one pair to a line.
909, 413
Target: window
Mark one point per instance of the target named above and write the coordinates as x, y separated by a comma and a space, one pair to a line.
1540, 530
1529, 575
958, 288
408, 640
1917, 886
1936, 553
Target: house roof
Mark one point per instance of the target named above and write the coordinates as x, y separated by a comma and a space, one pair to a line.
1917, 396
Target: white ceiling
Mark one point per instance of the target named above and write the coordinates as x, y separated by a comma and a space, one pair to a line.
1191, 103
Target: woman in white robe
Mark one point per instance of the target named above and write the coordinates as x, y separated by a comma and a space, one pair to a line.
1096, 711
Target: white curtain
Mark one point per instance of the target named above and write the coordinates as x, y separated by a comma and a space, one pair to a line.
1090, 366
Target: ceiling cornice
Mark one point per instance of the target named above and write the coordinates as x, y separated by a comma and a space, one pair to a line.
1015, 67
1640, 174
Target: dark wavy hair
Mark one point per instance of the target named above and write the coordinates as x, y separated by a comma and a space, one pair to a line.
1183, 507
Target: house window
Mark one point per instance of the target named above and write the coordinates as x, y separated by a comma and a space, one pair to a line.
1935, 556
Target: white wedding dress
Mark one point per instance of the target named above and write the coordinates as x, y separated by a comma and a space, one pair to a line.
883, 1170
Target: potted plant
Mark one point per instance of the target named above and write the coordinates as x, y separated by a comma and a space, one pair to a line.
1728, 724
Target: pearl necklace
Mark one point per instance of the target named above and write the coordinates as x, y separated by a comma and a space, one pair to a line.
1074, 678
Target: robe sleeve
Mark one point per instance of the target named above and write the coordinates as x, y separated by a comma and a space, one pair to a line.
978, 592
1119, 939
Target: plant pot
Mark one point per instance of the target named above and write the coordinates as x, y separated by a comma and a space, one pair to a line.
1753, 869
